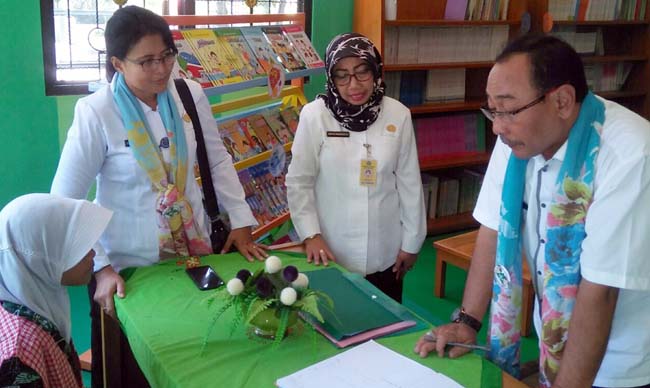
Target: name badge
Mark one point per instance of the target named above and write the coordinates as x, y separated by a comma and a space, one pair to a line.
338, 134
368, 172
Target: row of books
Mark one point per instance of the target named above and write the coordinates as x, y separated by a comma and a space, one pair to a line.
607, 77
597, 9
587, 41
220, 56
410, 45
266, 194
451, 194
449, 134
250, 135
438, 84
476, 9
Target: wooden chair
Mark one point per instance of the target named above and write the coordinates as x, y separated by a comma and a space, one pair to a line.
458, 251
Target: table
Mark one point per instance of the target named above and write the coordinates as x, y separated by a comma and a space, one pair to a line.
165, 319
458, 251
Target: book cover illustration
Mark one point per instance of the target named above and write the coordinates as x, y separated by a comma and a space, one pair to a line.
187, 64
235, 141
213, 57
232, 37
287, 54
260, 47
253, 139
263, 131
303, 46
290, 117
279, 128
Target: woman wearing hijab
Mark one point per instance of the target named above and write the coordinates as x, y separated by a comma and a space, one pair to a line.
46, 243
354, 187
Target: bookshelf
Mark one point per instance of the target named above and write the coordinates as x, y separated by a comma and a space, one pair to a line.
369, 20
623, 41
233, 106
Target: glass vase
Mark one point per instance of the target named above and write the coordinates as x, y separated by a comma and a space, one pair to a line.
266, 323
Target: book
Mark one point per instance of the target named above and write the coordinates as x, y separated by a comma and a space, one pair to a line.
213, 56
279, 128
187, 64
242, 55
263, 131
367, 365
252, 137
290, 118
235, 140
303, 46
357, 315
260, 47
284, 50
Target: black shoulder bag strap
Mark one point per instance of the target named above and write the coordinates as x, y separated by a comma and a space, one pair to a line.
210, 197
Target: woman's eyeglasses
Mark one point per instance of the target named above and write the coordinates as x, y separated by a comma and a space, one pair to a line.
149, 65
342, 78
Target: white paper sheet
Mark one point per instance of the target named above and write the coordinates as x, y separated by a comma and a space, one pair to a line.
367, 365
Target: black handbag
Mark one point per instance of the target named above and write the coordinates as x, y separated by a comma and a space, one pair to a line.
220, 231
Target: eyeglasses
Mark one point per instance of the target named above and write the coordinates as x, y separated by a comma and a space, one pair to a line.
493, 114
342, 78
149, 65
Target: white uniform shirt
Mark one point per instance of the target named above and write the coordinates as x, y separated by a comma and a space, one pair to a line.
616, 251
364, 226
96, 149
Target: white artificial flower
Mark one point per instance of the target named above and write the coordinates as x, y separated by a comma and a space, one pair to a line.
273, 264
302, 281
235, 286
288, 296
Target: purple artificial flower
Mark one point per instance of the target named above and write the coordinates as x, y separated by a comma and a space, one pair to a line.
243, 275
264, 287
290, 273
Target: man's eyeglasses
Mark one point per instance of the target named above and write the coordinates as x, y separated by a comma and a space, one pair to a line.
149, 65
342, 78
493, 114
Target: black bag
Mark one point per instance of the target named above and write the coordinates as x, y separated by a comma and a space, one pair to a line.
220, 231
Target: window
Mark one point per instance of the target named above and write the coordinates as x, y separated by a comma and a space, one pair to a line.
73, 40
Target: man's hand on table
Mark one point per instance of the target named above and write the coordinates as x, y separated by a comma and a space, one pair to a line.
318, 251
451, 332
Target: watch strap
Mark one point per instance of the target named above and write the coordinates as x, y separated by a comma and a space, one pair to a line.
469, 320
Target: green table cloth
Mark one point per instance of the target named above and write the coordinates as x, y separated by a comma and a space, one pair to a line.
166, 319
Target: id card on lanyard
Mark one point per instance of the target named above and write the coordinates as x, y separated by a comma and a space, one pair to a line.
368, 169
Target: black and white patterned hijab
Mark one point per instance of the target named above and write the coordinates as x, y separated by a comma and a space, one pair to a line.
355, 118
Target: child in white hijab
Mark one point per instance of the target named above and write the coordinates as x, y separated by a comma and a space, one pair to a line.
46, 243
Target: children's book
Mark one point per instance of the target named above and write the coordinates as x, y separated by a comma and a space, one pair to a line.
279, 128
187, 64
235, 141
253, 139
290, 118
264, 54
263, 131
243, 54
213, 56
287, 54
303, 46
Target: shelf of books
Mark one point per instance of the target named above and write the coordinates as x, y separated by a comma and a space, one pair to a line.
437, 58
257, 129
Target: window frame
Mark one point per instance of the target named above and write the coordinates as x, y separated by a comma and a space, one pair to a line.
54, 87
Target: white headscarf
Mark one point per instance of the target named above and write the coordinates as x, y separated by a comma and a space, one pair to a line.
41, 237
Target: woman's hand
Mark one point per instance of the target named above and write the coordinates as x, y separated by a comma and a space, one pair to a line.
109, 282
404, 262
242, 238
317, 251
451, 332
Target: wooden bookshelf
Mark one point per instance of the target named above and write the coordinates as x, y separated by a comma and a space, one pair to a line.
369, 20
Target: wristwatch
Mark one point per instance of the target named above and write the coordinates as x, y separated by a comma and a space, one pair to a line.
460, 316
310, 237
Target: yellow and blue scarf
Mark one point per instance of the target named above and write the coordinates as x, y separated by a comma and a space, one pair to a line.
565, 232
177, 231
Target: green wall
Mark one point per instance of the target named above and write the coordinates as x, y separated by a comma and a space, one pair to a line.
29, 149
33, 126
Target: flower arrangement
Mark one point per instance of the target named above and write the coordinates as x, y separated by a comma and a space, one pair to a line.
277, 290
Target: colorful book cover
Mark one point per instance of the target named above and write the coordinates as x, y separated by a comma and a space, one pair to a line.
213, 56
303, 46
287, 54
263, 131
187, 64
290, 118
260, 47
279, 128
235, 141
242, 52
253, 139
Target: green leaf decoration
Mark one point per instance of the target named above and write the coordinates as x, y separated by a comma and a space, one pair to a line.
309, 304
257, 308
229, 303
282, 327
